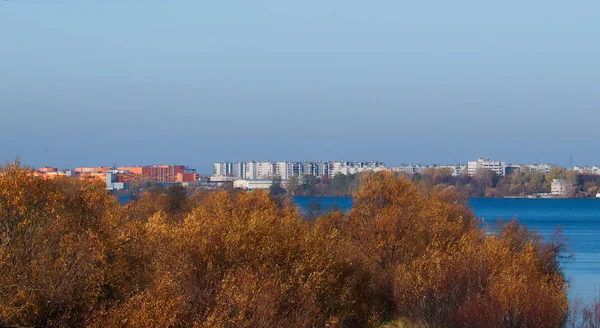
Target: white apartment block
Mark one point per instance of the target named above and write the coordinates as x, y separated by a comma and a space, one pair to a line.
457, 170
594, 170
559, 187
239, 169
356, 167
250, 171
223, 169
282, 170
541, 168
410, 169
486, 164
262, 170
255, 184
259, 170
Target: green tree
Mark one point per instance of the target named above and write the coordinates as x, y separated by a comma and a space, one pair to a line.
276, 189
340, 182
293, 185
177, 198
308, 183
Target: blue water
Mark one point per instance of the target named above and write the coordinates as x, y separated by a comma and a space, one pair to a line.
125, 199
579, 220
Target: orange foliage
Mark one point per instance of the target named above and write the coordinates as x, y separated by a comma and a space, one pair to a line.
69, 255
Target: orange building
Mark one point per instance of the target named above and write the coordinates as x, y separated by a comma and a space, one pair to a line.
50, 173
92, 173
92, 170
47, 169
163, 173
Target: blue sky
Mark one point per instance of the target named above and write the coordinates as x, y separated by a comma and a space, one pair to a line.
192, 82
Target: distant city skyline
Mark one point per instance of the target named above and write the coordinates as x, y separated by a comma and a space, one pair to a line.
97, 83
209, 171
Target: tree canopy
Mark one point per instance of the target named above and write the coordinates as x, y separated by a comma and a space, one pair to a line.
70, 255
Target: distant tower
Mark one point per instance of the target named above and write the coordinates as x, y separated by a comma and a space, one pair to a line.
571, 161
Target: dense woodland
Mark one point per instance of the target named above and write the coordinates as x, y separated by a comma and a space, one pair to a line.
406, 255
485, 183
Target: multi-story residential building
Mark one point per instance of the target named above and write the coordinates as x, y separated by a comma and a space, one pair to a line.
223, 169
295, 169
264, 170
259, 170
486, 164
281, 170
322, 169
593, 170
255, 184
255, 170
457, 169
239, 169
541, 168
559, 187
250, 171
356, 167
409, 168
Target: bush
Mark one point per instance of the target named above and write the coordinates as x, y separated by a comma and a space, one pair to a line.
404, 256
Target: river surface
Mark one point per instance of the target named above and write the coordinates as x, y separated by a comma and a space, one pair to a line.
579, 220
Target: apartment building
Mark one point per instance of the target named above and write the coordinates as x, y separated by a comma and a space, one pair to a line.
356, 167
281, 169
486, 164
559, 187
223, 169
457, 169
261, 170
590, 170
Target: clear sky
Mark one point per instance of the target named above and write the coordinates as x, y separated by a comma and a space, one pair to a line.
192, 82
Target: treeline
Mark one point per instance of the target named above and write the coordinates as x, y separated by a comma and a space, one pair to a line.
70, 255
486, 183
309, 185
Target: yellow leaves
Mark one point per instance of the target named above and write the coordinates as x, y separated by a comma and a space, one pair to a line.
53, 246
244, 259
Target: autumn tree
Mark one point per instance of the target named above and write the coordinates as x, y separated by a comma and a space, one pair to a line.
56, 249
70, 255
432, 263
